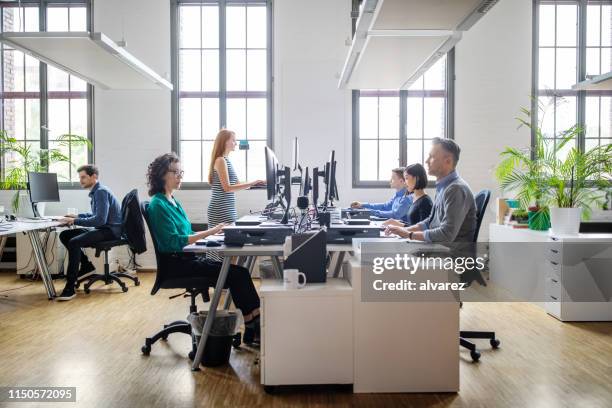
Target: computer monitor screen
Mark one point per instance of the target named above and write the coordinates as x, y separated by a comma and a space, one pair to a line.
333, 187
295, 155
271, 173
43, 187
306, 183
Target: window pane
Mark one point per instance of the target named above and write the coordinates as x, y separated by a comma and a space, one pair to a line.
236, 27
592, 117
57, 80
547, 117
256, 27
190, 71
190, 118
593, 26
257, 119
210, 27
57, 19
435, 77
210, 118
256, 159
567, 29
32, 74
367, 161
257, 69
236, 70
592, 61
78, 19
606, 25
191, 159
546, 72
78, 117
32, 119
31, 19
236, 117
606, 59
388, 124
417, 85
565, 116
433, 110
368, 118
238, 159
61, 168
77, 85
606, 117
189, 26
206, 153
566, 68
414, 116
58, 118
210, 70
13, 71
389, 158
18, 125
415, 152
547, 25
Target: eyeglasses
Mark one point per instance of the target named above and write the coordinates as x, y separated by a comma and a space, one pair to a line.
177, 173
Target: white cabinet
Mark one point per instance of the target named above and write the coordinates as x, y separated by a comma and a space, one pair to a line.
307, 334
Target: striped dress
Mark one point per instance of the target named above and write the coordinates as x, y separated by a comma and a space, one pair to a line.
222, 206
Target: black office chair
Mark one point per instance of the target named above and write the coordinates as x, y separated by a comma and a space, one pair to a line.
482, 200
193, 286
105, 246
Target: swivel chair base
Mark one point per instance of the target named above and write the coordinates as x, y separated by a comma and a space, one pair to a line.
108, 277
474, 353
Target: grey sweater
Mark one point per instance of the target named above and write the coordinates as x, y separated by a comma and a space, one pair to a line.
453, 217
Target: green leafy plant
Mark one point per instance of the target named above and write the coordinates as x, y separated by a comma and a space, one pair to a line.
20, 158
555, 174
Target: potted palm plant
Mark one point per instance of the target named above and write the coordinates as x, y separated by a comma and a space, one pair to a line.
568, 182
20, 158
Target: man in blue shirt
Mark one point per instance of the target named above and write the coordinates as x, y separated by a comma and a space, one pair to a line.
103, 223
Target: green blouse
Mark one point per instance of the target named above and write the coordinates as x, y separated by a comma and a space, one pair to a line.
169, 224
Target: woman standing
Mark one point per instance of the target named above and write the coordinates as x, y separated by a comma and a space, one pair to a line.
224, 182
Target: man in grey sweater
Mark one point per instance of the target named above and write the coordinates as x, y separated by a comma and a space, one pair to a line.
453, 217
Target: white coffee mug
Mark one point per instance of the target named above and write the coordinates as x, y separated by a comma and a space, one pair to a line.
291, 279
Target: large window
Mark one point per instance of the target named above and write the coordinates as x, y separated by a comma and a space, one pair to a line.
573, 40
41, 103
395, 128
222, 77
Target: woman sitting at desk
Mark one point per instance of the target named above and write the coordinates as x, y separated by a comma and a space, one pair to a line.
415, 178
397, 207
171, 230
224, 182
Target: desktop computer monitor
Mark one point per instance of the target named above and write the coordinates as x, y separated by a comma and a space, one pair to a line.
43, 188
306, 183
271, 173
295, 155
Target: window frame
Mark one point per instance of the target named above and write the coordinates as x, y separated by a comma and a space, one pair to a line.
581, 67
43, 98
223, 93
449, 124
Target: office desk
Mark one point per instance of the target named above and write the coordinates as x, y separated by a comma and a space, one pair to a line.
250, 252
31, 229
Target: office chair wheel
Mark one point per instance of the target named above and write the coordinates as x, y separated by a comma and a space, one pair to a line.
494, 343
146, 350
237, 340
124, 288
76, 285
87, 290
269, 389
475, 355
136, 282
191, 355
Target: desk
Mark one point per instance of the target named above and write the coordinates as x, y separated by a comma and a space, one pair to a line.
31, 229
227, 252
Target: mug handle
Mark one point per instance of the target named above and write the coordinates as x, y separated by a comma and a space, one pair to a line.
303, 275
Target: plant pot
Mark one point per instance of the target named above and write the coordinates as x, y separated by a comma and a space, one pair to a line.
539, 220
565, 221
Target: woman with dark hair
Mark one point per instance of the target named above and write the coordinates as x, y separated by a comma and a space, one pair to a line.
415, 178
397, 206
171, 230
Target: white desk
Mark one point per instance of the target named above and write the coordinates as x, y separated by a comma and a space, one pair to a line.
227, 252
560, 273
31, 229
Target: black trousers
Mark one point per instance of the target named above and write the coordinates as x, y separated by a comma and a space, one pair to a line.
76, 238
238, 280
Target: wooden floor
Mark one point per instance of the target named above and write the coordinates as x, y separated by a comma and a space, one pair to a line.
93, 343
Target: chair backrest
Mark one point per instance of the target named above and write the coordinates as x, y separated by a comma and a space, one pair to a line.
159, 275
482, 200
131, 222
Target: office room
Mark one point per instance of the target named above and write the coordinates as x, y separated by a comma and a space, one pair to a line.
306, 203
